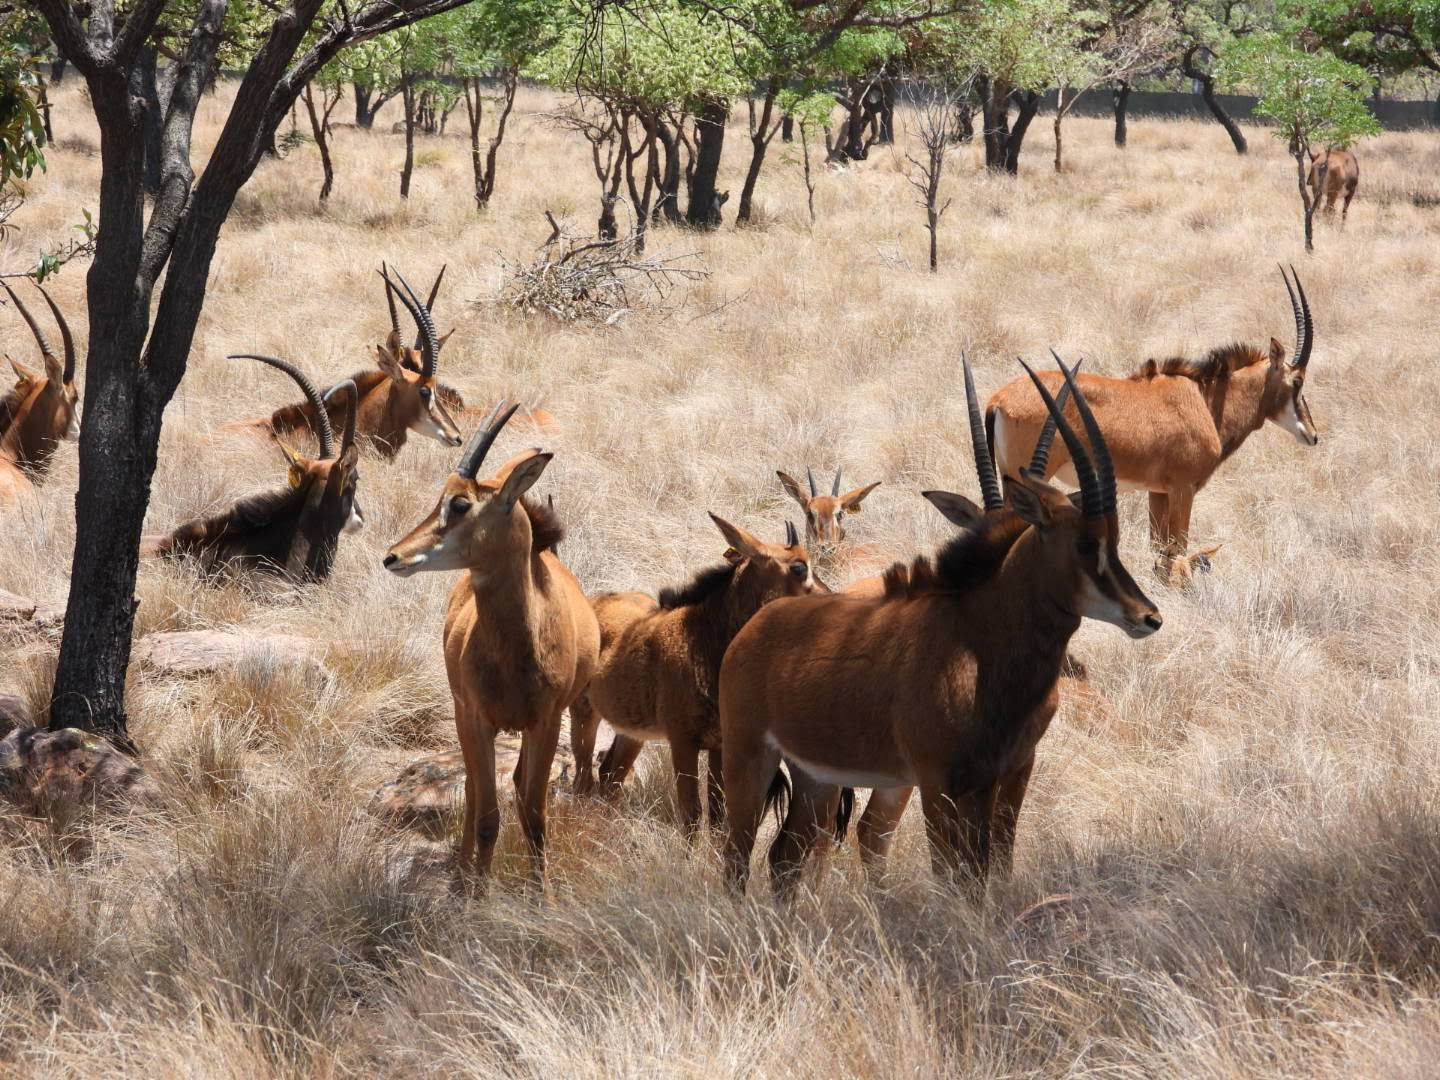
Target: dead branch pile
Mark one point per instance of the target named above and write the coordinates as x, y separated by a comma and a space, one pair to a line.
585, 278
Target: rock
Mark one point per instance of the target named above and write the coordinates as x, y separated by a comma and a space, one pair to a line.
202, 652
21, 615
14, 713
16, 608
39, 767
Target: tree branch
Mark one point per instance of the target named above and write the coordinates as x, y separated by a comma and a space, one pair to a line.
138, 26
70, 37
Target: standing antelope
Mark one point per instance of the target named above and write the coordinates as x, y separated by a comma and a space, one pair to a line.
521, 640
1337, 171
824, 514
659, 664
41, 410
1172, 423
401, 394
947, 682
295, 530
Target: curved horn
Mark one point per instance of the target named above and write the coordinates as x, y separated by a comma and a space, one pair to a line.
323, 430
347, 439
435, 289
46, 349
65, 338
810, 479
390, 303
989, 485
483, 439
1040, 461
426, 328
835, 487
792, 538
1092, 504
1304, 324
1099, 448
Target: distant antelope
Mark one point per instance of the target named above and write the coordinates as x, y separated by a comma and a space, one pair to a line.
1340, 171
824, 514
947, 682
1172, 423
659, 664
521, 641
295, 530
40, 411
401, 394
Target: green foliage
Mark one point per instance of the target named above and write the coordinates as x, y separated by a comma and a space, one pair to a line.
22, 130
1026, 44
1315, 98
1385, 36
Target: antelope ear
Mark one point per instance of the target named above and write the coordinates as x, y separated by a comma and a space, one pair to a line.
793, 489
851, 500
1031, 504
1277, 352
23, 373
444, 338
297, 476
958, 510
732, 556
388, 362
739, 539
523, 476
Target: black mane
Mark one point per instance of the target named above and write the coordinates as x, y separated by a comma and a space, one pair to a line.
701, 587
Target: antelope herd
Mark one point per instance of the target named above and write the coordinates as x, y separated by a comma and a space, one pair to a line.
941, 674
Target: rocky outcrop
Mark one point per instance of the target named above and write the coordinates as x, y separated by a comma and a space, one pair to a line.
39, 768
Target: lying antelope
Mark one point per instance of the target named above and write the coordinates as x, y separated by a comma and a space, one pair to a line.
40, 411
947, 682
1331, 172
659, 663
401, 394
1172, 423
824, 514
521, 640
295, 530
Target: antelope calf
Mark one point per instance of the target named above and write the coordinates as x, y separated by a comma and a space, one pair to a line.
660, 663
824, 514
1172, 424
296, 530
946, 683
40, 411
521, 640
1331, 172
401, 395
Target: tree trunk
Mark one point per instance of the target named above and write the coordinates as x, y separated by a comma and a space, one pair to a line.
43, 94
1207, 94
1029, 106
365, 107
318, 127
1059, 119
667, 201
1302, 156
1120, 99
641, 193
760, 135
995, 115
787, 128
854, 144
887, 108
704, 209
484, 168
154, 116
407, 93
57, 69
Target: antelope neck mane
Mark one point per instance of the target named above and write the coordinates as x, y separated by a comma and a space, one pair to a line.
970, 558
705, 584
11, 402
546, 529
250, 514
1215, 365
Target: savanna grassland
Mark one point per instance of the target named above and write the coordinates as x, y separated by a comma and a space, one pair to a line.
1247, 810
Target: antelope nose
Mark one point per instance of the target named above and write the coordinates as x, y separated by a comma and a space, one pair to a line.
390, 560
1154, 622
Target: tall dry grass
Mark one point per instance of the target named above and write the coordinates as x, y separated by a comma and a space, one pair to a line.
1250, 826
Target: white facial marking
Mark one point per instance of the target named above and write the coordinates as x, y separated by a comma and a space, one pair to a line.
355, 522
1094, 604
1290, 420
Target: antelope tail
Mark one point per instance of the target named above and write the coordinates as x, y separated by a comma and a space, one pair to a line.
990, 437
778, 798
843, 813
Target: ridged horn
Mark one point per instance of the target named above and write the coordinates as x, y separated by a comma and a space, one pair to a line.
1099, 448
430, 304
426, 328
390, 303
1092, 505
484, 437
323, 430
810, 479
1040, 460
1304, 324
989, 483
835, 487
46, 349
347, 438
65, 339
792, 538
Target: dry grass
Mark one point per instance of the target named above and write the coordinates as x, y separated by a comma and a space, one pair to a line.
1251, 823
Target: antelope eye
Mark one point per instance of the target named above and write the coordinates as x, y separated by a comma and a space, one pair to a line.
800, 570
425, 394
460, 505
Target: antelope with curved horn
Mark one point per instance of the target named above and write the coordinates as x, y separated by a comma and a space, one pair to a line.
521, 640
946, 683
660, 663
41, 411
824, 514
1172, 424
295, 530
401, 394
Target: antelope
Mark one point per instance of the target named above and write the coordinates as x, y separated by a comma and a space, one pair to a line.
824, 514
946, 683
41, 410
1173, 423
659, 663
401, 394
1332, 171
296, 530
521, 640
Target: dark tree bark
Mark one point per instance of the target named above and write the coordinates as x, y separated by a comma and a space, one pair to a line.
887, 108
1029, 105
667, 200
320, 128
133, 366
1003, 139
57, 69
641, 192
149, 89
407, 95
484, 168
1192, 70
787, 128
44, 102
1120, 99
705, 201
364, 109
762, 131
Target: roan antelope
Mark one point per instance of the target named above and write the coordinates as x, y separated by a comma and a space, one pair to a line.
1172, 423
1337, 171
824, 514
40, 411
401, 394
295, 530
660, 663
521, 641
947, 682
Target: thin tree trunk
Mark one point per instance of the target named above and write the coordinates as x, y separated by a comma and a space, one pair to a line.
319, 128
44, 103
761, 133
1120, 98
407, 92
641, 193
787, 128
364, 112
1029, 106
809, 181
995, 115
1302, 156
667, 201
887, 108
1207, 94
154, 116
1059, 119
704, 209
57, 69
484, 167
